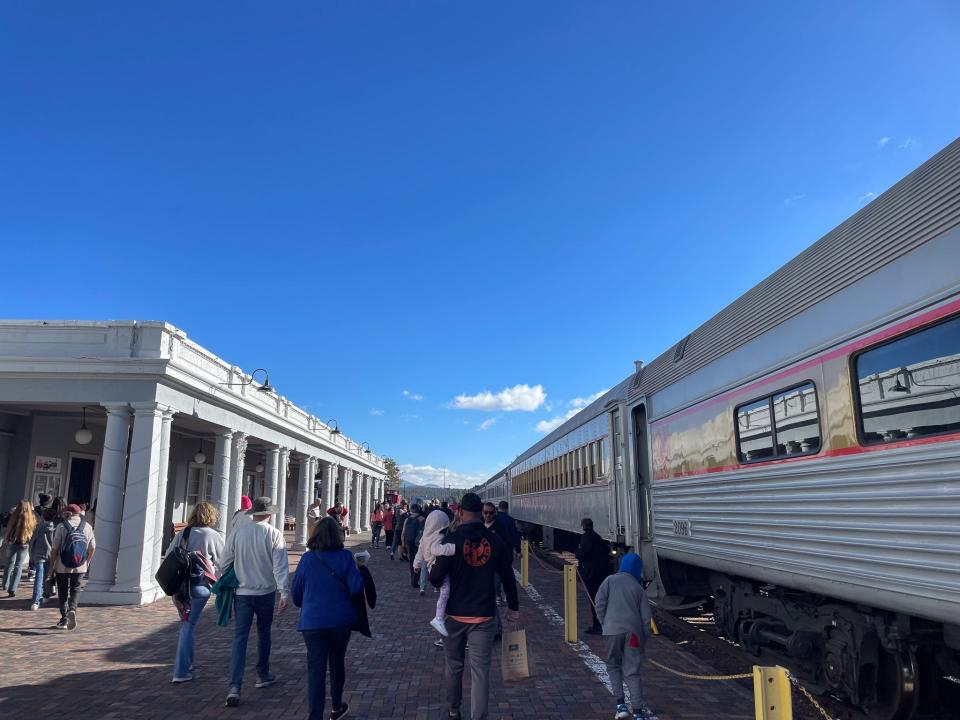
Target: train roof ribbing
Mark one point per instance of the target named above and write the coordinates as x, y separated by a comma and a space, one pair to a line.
920, 207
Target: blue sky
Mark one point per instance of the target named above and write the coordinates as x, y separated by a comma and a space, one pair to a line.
393, 205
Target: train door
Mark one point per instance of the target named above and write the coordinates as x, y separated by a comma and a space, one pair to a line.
641, 469
621, 503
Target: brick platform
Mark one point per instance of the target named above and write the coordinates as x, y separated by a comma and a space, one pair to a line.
117, 664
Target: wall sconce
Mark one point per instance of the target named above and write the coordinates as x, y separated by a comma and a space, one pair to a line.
265, 388
333, 426
83, 436
366, 447
899, 387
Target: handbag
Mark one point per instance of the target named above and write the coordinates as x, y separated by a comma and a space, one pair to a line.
175, 568
361, 624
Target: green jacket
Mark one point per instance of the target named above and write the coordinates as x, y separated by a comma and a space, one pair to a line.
225, 588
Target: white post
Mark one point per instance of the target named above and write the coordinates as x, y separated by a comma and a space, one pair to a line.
346, 497
270, 478
238, 454
330, 484
113, 467
282, 489
303, 499
357, 523
158, 548
221, 478
138, 528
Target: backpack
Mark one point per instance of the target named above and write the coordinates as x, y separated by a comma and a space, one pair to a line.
174, 571
74, 549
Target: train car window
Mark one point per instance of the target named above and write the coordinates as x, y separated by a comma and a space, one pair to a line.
755, 431
795, 420
910, 387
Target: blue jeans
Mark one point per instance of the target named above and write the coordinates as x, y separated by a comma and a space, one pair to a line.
19, 557
199, 594
38, 581
244, 608
323, 647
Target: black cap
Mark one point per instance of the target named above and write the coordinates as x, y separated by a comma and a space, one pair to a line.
263, 506
471, 502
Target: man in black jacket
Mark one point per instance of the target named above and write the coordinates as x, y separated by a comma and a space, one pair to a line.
471, 610
593, 555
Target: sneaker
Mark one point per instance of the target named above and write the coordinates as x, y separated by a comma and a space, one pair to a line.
622, 713
11, 593
438, 643
72, 620
436, 591
421, 592
438, 625
35, 606
266, 681
233, 697
453, 715
62, 625
186, 678
337, 714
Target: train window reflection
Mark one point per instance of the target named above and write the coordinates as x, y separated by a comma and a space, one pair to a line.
910, 387
795, 418
754, 430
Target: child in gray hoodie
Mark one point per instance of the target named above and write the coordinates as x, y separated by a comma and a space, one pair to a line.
624, 612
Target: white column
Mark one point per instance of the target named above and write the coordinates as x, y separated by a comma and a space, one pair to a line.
164, 472
357, 500
221, 478
346, 496
304, 491
367, 501
238, 454
270, 474
330, 484
134, 566
113, 466
282, 489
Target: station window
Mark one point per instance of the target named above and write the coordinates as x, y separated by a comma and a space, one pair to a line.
910, 387
785, 424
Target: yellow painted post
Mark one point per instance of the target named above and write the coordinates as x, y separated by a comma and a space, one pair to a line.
771, 693
570, 603
653, 627
524, 563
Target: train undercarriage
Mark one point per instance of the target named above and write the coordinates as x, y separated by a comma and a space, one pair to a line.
890, 666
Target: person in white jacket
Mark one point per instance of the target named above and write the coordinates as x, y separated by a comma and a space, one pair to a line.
431, 547
258, 553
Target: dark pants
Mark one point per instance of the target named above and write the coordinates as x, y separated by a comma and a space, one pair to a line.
593, 585
244, 608
68, 591
323, 647
388, 540
411, 554
480, 636
377, 527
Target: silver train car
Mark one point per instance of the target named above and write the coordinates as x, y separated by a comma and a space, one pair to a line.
796, 459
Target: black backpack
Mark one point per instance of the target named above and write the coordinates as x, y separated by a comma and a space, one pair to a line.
174, 571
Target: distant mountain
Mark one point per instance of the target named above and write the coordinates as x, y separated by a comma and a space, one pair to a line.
410, 491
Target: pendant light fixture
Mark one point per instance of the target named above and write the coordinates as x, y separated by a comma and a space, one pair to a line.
200, 458
259, 467
83, 436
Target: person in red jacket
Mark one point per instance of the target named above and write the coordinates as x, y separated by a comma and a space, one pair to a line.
339, 513
387, 513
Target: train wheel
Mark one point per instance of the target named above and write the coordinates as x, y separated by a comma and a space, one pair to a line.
897, 694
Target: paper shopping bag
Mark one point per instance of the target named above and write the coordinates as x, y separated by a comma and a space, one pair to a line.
513, 656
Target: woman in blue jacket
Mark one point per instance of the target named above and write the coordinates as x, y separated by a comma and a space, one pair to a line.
326, 580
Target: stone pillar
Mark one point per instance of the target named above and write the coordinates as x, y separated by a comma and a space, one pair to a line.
163, 476
113, 466
304, 491
330, 484
282, 489
221, 478
355, 490
346, 496
270, 474
238, 454
367, 501
134, 567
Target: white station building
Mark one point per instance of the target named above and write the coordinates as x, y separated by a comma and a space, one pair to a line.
141, 424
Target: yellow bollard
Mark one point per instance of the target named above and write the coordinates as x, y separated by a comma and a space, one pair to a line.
771, 693
653, 627
524, 563
570, 603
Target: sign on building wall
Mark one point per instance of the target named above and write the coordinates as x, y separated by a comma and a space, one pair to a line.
47, 465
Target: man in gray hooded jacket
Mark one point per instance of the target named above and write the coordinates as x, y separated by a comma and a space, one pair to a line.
624, 612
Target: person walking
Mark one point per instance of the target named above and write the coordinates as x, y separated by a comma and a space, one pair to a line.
74, 545
204, 546
326, 581
410, 538
432, 547
399, 517
258, 554
624, 612
340, 513
387, 512
240, 516
40, 546
18, 535
376, 524
478, 555
593, 558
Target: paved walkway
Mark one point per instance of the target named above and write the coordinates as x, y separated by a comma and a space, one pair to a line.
117, 664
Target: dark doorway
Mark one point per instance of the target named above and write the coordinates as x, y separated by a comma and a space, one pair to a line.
81, 479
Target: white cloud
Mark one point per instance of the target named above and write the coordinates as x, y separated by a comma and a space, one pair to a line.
411, 396
794, 198
883, 141
866, 196
488, 423
909, 142
376, 412
429, 475
576, 405
519, 397
408, 417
